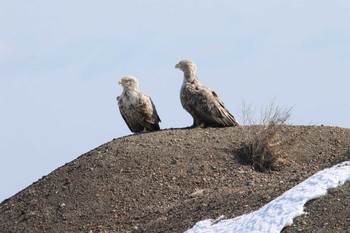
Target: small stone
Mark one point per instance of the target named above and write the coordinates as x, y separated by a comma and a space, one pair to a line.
249, 183
173, 161
197, 193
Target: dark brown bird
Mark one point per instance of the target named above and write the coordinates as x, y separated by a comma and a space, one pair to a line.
201, 102
136, 108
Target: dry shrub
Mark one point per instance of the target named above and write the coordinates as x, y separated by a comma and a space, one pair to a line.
264, 142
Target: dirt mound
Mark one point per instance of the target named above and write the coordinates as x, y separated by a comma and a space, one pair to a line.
168, 180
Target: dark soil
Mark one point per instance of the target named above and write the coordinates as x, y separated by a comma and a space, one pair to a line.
166, 181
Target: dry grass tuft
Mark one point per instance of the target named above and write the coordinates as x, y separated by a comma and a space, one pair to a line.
265, 142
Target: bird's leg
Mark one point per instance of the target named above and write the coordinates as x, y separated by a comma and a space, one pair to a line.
197, 124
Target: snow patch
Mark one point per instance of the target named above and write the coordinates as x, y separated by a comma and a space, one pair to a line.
277, 214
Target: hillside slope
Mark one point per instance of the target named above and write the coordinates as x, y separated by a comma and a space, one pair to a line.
168, 180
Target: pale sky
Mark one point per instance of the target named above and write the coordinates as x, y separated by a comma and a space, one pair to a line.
60, 63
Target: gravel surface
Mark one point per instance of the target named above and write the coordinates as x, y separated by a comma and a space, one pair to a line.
168, 180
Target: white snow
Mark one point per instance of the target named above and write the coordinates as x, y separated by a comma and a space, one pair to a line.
277, 214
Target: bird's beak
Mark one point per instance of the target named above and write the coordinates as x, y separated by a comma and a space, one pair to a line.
120, 82
177, 66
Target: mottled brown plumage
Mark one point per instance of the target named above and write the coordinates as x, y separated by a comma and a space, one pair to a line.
136, 108
201, 102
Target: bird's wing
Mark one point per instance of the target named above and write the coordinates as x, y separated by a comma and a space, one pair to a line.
222, 112
206, 104
155, 114
147, 109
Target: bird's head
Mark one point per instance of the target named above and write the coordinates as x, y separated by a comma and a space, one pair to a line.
129, 83
188, 67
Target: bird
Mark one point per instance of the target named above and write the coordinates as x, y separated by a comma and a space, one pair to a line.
137, 108
203, 104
